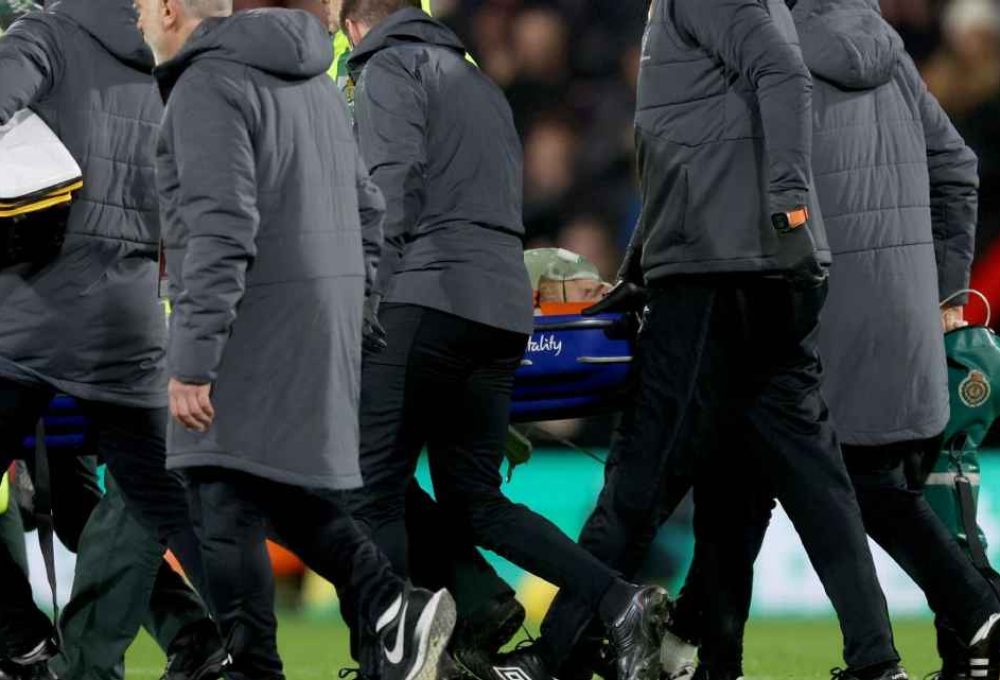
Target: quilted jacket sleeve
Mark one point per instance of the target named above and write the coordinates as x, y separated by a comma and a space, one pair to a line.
217, 203
30, 61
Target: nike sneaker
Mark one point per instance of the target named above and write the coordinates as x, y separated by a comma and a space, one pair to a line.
413, 634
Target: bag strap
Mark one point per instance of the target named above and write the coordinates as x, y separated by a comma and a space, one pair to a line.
43, 516
967, 508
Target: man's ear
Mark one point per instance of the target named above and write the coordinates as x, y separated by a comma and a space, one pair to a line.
170, 11
354, 30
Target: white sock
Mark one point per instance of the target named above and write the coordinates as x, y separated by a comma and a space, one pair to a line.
389, 614
985, 629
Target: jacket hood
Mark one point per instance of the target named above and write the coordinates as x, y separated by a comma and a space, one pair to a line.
847, 42
288, 43
409, 25
113, 23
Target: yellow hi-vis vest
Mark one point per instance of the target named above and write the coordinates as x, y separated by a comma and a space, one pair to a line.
342, 52
4, 493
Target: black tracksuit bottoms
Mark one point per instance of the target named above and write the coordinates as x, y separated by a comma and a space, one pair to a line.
724, 360
715, 604
234, 513
445, 383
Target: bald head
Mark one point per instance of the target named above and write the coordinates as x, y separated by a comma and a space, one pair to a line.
167, 24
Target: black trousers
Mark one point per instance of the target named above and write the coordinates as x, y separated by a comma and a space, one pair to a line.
233, 513
716, 598
438, 559
131, 441
716, 357
446, 383
900, 520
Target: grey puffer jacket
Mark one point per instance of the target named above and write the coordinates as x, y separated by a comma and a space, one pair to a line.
897, 186
722, 137
89, 323
264, 201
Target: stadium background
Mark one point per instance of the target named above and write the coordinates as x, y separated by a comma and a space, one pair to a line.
569, 70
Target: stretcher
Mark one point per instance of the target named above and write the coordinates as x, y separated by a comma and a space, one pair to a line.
575, 366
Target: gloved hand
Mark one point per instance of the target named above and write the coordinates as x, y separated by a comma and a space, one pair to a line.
626, 296
373, 335
797, 258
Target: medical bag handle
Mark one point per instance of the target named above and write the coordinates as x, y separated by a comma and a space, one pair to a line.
972, 291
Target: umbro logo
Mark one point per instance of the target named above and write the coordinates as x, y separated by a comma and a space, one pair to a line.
512, 673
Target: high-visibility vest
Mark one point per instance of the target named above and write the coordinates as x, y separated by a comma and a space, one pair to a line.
4, 493
342, 52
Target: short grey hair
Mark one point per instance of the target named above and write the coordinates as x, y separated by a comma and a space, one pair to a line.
203, 9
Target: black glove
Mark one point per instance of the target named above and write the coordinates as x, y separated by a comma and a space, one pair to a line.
797, 258
624, 297
373, 335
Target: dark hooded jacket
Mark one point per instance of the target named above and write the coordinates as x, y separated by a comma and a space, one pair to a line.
897, 186
722, 137
264, 199
88, 322
439, 139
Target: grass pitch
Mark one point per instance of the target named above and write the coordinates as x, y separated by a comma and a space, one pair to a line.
782, 649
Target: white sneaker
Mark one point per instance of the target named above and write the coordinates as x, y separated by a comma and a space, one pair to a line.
677, 657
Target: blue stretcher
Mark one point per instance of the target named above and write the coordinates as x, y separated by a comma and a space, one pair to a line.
65, 426
575, 366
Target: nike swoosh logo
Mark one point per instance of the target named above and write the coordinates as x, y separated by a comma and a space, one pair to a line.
395, 655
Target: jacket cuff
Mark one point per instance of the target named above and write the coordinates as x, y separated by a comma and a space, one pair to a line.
786, 201
949, 285
954, 272
193, 361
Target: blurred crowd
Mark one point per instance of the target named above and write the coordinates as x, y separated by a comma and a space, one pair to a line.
569, 69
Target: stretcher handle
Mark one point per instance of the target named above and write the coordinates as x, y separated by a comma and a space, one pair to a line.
578, 325
590, 360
